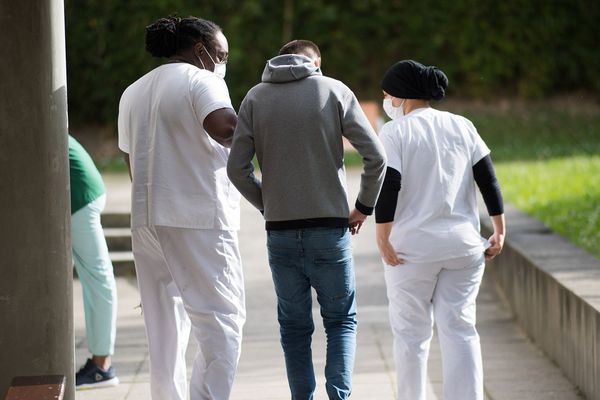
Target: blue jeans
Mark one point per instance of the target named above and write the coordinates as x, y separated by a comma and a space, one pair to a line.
320, 258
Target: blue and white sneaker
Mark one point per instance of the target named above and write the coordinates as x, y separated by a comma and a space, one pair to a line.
90, 376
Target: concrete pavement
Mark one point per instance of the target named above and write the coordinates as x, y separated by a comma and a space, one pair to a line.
514, 368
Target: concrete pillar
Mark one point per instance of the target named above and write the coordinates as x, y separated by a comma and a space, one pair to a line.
36, 316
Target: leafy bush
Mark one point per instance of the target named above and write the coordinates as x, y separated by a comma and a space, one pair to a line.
518, 47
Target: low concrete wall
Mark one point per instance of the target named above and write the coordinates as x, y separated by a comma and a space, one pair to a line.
553, 288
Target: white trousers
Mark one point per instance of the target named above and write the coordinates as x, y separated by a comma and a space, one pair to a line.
190, 278
447, 291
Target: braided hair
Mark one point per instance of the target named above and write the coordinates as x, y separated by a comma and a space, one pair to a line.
168, 36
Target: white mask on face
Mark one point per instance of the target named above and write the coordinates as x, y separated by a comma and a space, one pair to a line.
390, 110
220, 70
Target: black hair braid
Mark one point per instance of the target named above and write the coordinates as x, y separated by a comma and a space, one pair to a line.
161, 37
193, 30
167, 36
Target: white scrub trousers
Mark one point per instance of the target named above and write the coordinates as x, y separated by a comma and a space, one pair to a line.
447, 291
95, 272
190, 278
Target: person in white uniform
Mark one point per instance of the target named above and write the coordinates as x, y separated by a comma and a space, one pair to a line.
176, 124
428, 231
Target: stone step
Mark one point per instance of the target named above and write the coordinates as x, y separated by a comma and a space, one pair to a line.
123, 264
116, 220
117, 232
118, 239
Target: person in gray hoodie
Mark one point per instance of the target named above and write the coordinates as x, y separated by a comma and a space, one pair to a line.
294, 122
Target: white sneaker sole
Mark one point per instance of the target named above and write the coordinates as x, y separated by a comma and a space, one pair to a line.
97, 385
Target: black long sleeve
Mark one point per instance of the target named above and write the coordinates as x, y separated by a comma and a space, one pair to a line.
485, 177
388, 198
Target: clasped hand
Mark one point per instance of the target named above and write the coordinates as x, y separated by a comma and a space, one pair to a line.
355, 221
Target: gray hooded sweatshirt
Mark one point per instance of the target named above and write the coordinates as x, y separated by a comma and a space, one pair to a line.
294, 122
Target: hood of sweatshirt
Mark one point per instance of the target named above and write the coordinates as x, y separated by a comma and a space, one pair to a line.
289, 67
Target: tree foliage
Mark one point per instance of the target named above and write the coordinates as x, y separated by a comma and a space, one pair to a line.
527, 48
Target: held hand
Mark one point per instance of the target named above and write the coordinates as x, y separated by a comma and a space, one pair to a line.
389, 255
355, 221
496, 245
355, 227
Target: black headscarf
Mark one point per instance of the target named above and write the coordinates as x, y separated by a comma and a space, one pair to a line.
409, 79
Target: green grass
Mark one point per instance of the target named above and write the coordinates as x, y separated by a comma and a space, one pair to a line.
352, 159
564, 193
538, 134
115, 164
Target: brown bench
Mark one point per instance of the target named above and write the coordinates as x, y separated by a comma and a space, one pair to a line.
49, 387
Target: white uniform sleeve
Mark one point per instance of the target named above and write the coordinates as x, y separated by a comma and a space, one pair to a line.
123, 126
479, 148
208, 93
392, 145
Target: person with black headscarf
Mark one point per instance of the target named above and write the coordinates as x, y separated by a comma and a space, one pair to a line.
428, 231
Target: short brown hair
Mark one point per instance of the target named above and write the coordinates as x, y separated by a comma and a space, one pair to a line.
304, 47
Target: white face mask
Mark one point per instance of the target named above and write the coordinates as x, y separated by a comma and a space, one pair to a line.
220, 68
390, 110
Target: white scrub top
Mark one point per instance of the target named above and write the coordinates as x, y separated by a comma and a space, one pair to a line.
179, 171
436, 216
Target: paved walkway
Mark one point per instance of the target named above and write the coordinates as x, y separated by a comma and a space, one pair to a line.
514, 369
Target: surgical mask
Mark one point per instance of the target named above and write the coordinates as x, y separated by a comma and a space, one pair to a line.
391, 111
220, 68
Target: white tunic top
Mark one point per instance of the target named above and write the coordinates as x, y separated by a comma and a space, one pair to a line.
436, 216
179, 171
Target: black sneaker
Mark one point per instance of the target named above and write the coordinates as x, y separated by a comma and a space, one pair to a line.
91, 376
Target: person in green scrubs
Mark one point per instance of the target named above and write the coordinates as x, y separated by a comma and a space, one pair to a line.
94, 268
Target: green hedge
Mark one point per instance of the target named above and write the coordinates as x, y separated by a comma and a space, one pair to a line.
529, 48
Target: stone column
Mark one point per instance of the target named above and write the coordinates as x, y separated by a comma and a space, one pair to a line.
36, 306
